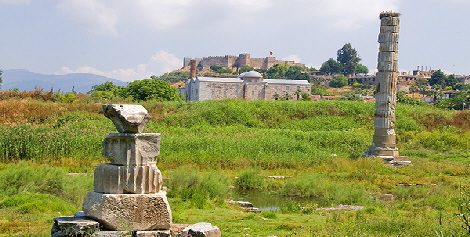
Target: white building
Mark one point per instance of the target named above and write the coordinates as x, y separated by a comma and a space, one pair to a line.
248, 86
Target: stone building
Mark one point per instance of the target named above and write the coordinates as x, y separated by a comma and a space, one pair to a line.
248, 86
229, 61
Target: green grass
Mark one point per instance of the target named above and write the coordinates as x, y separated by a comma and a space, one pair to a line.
205, 145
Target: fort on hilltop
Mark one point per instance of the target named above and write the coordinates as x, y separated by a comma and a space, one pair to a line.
229, 61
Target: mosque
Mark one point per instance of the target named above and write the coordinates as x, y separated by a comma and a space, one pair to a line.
247, 86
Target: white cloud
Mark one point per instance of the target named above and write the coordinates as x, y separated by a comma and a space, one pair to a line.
160, 63
102, 16
96, 16
14, 1
294, 58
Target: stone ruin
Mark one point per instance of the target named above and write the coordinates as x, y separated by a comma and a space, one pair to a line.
384, 141
128, 199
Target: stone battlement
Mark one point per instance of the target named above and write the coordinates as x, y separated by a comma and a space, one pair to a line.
230, 61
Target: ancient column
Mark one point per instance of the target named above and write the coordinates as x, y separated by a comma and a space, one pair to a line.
384, 140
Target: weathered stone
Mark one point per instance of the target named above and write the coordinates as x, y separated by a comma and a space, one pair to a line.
388, 47
153, 233
384, 139
129, 211
114, 234
390, 21
388, 56
388, 37
132, 148
388, 66
177, 228
200, 230
74, 226
117, 179
390, 29
127, 118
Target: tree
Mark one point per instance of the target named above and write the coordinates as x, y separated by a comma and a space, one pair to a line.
1, 81
246, 68
351, 95
451, 80
438, 78
413, 89
348, 58
318, 90
150, 89
215, 67
435, 94
107, 86
362, 69
331, 67
277, 71
458, 101
422, 82
286, 71
403, 99
339, 81
172, 77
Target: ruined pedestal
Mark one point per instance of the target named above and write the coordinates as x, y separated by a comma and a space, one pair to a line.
127, 199
127, 192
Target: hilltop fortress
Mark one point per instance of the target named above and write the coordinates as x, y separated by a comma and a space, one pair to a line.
229, 61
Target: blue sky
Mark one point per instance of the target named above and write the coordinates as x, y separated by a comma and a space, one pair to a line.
130, 40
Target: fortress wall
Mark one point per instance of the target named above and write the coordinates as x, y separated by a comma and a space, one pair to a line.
240, 60
269, 62
256, 63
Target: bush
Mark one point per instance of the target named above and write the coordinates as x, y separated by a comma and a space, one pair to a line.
250, 179
185, 183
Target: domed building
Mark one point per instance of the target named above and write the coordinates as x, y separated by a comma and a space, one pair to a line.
247, 86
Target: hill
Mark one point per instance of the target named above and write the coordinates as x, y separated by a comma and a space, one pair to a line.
24, 80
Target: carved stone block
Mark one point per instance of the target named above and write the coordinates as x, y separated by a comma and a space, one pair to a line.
132, 148
129, 212
116, 179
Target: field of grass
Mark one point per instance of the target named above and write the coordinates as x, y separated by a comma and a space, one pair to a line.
205, 145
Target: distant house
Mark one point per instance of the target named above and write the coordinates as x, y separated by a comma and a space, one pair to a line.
247, 86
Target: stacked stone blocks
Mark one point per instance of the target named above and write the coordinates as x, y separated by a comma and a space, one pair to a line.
384, 139
128, 191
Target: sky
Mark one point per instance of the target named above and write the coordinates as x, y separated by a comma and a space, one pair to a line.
131, 40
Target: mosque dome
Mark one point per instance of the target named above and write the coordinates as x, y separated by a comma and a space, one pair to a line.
251, 74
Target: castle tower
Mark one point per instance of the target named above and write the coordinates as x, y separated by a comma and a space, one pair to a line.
384, 140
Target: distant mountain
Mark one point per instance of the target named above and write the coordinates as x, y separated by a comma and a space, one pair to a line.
25, 80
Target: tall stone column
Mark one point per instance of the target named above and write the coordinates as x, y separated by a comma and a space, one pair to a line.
384, 140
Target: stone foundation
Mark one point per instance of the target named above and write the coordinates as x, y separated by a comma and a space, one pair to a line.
130, 212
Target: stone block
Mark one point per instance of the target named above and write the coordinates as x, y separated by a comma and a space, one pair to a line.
388, 47
200, 230
390, 21
388, 37
388, 66
153, 233
113, 234
388, 77
388, 57
389, 29
127, 118
116, 179
74, 226
130, 212
132, 148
